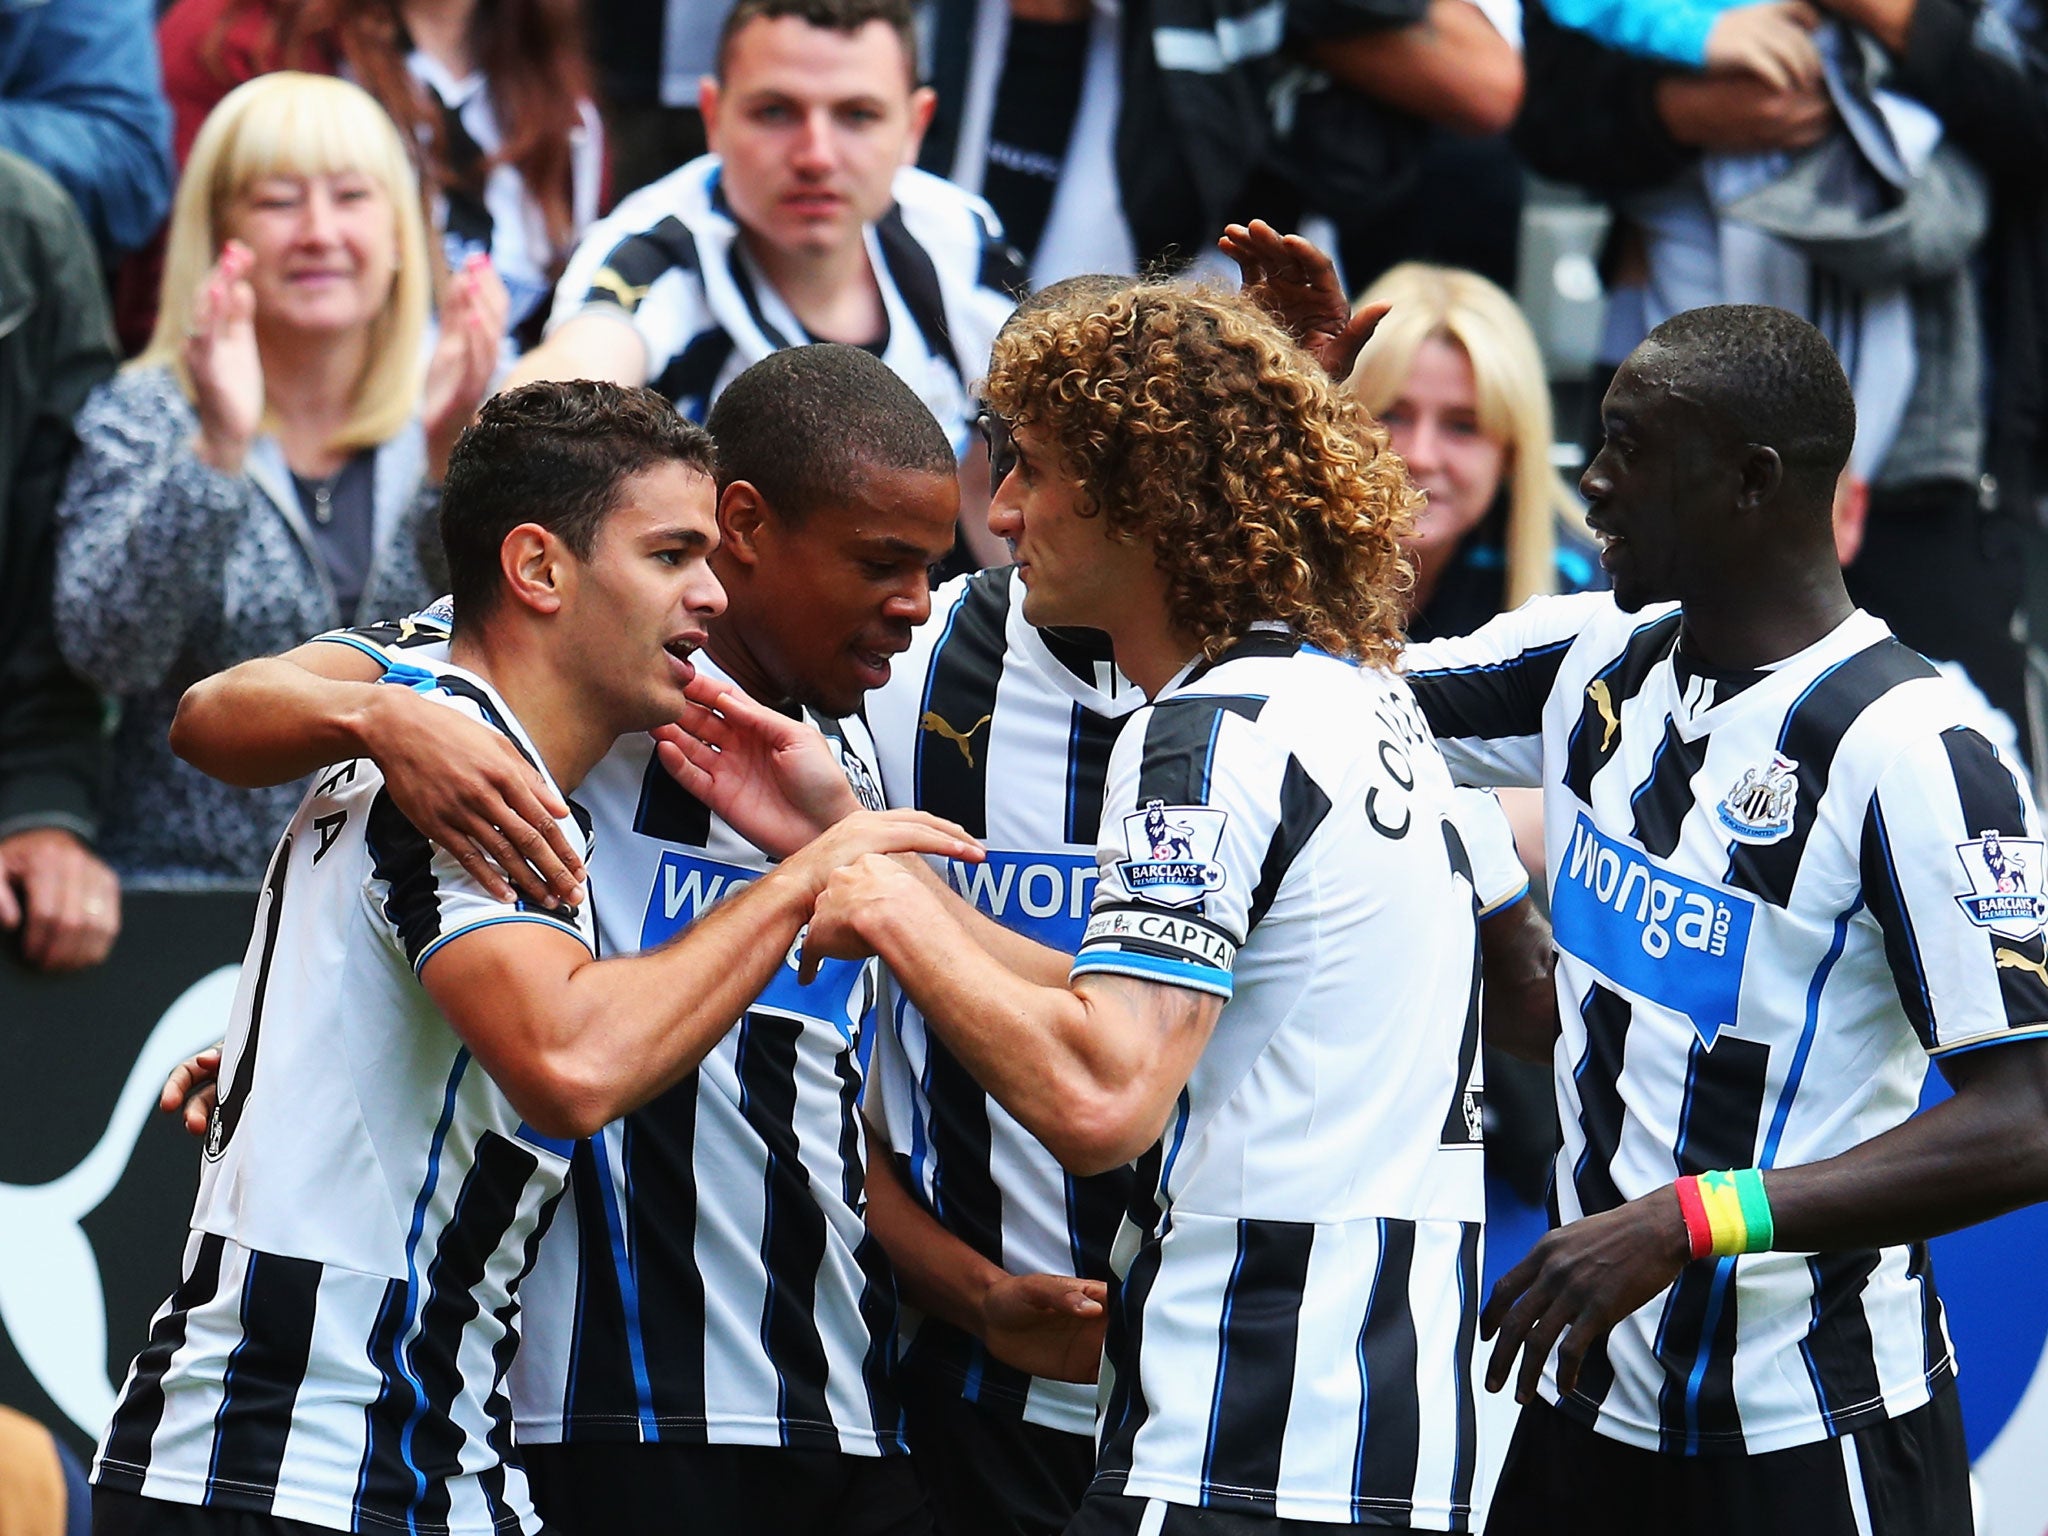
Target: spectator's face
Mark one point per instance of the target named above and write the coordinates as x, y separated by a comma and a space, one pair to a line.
1655, 491
1073, 572
821, 604
637, 608
812, 125
1434, 424
325, 248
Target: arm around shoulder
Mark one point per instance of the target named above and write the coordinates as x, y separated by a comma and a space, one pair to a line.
597, 342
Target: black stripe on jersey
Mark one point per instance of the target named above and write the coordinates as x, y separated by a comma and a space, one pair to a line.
403, 859
1180, 745
234, 1093
1267, 643
1838, 1350
1002, 265
463, 688
1598, 1076
792, 1231
498, 1406
1464, 1118
1881, 889
261, 1383
691, 373
1078, 650
951, 765
657, 1148
1255, 1365
1303, 805
1812, 731
744, 282
1468, 1403
386, 1481
485, 1208
1933, 1328
125, 1457
1123, 1342
1390, 1428
1501, 699
1089, 740
1717, 1128
878, 1282
1662, 801
601, 1392
1597, 736
1991, 803
1095, 1210
670, 812
917, 280
639, 261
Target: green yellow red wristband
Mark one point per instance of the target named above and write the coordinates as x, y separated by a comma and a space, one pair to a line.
1726, 1213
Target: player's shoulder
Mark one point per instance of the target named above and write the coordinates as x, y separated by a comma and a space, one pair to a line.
687, 195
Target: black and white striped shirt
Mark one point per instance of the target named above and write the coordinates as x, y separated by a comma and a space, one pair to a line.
1776, 894
1007, 731
1297, 1307
710, 1278
669, 259
368, 1204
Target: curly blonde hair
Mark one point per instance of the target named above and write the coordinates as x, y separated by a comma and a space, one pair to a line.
1197, 427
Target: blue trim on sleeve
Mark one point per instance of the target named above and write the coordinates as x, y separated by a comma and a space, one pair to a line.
1178, 973
1984, 1042
491, 922
1513, 901
355, 643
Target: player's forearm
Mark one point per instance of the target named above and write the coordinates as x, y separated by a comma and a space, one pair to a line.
1975, 1156
1073, 1078
1035, 962
1452, 68
1519, 1006
597, 344
269, 721
935, 1271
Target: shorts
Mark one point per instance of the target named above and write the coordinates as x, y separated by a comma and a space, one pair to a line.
988, 1474
1908, 1476
115, 1513
1121, 1514
615, 1488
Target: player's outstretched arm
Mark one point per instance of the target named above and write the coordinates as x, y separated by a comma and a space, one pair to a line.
1049, 1325
1518, 960
1976, 1155
463, 784
598, 343
575, 1042
1092, 1070
1295, 283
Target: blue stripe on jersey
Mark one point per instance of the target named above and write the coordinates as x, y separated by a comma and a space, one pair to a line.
1806, 1033
1902, 944
629, 1283
1123, 962
1717, 1294
412, 1288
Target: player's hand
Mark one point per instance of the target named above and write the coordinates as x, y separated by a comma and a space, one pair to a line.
1296, 284
1048, 1325
859, 890
57, 894
772, 779
465, 358
466, 787
221, 357
1742, 114
191, 1090
1577, 1283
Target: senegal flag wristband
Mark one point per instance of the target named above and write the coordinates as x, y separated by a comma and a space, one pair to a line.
1726, 1213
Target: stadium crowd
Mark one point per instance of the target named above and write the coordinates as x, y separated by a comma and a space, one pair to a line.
294, 299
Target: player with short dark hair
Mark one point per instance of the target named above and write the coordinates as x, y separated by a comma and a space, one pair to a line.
831, 15
1785, 873
414, 1056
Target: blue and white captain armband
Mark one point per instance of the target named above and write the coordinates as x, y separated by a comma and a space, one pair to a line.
1153, 944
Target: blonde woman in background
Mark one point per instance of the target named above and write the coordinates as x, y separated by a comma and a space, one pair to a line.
269, 467
1454, 374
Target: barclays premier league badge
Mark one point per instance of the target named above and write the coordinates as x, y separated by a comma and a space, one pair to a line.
1759, 808
2005, 885
1173, 853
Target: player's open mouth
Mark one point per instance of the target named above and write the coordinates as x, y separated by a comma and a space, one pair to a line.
679, 652
875, 664
1609, 543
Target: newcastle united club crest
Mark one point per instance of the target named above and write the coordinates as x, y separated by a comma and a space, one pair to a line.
1759, 808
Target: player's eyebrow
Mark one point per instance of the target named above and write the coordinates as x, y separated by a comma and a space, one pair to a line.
692, 539
890, 544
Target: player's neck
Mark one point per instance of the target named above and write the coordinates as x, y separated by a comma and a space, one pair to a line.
726, 644
547, 703
833, 293
1759, 622
1150, 651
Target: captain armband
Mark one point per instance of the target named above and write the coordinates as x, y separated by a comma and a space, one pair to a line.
1154, 944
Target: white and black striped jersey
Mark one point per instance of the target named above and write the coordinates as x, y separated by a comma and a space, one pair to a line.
1007, 731
1294, 1327
710, 1278
670, 260
1775, 894
369, 1202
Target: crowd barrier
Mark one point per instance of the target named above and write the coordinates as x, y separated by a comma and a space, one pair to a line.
96, 1187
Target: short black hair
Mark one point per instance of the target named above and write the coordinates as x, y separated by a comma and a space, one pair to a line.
554, 454
847, 16
1774, 376
802, 424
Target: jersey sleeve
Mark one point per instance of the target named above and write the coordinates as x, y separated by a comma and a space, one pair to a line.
431, 625
648, 277
1191, 819
1483, 693
1952, 864
1498, 877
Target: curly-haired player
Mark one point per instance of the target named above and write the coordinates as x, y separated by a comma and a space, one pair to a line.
1272, 1005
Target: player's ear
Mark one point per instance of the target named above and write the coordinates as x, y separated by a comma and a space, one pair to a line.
535, 566
742, 514
1761, 473
924, 101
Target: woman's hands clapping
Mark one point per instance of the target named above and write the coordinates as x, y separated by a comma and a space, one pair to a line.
221, 356
465, 359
